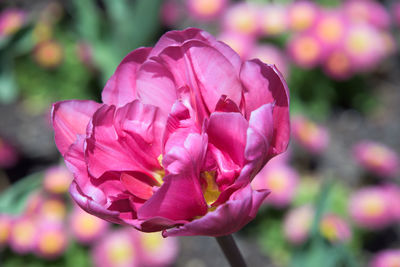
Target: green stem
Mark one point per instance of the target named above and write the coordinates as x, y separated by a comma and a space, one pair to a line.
231, 251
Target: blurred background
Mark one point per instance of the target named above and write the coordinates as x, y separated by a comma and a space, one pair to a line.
335, 194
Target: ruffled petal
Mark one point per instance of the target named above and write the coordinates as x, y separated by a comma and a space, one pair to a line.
205, 71
70, 118
264, 84
121, 87
228, 218
183, 164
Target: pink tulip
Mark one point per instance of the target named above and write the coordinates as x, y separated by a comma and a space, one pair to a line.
386, 258
370, 207
281, 179
85, 227
376, 158
57, 179
297, 224
334, 228
184, 128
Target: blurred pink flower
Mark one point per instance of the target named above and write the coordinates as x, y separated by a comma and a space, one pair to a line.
242, 18
338, 65
305, 50
5, 229
48, 54
334, 228
57, 180
273, 19
364, 46
156, 251
376, 158
297, 224
302, 15
170, 12
205, 10
367, 11
185, 127
116, 249
241, 44
281, 179
370, 208
51, 239
330, 28
11, 20
86, 228
52, 209
386, 258
8, 154
271, 54
309, 135
23, 234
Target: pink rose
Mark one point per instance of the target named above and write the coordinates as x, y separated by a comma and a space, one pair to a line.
184, 128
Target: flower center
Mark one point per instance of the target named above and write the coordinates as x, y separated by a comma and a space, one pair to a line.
210, 191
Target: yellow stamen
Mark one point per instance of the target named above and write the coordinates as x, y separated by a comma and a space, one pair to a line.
211, 192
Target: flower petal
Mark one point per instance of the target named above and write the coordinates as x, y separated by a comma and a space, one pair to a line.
69, 119
264, 84
121, 87
228, 218
205, 71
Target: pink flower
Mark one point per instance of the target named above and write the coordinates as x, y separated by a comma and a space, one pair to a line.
241, 44
205, 10
184, 128
116, 249
5, 228
57, 179
302, 15
396, 13
23, 234
242, 18
11, 20
273, 19
305, 50
156, 251
367, 11
170, 12
334, 228
271, 54
49, 54
376, 158
297, 224
85, 227
311, 136
51, 239
281, 179
370, 207
386, 258
338, 64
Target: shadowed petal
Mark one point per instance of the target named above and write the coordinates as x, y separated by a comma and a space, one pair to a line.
228, 218
121, 87
264, 84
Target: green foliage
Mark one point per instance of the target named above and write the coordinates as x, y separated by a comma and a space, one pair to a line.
40, 87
